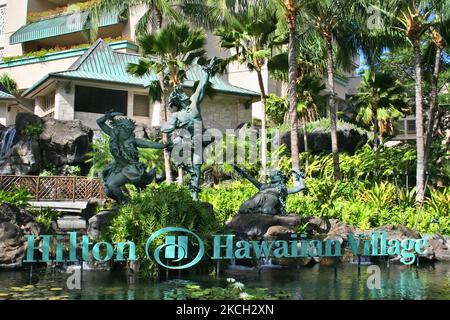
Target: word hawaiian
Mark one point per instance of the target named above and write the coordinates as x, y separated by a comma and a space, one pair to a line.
375, 245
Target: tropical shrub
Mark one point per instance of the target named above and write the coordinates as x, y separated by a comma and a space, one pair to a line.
33, 130
9, 83
18, 197
45, 217
154, 208
80, 6
227, 198
276, 108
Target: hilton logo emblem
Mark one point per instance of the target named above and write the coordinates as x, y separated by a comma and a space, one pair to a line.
175, 248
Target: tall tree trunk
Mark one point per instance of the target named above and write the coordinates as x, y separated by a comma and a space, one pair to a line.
375, 123
163, 118
263, 128
163, 109
332, 106
420, 143
292, 85
305, 140
437, 39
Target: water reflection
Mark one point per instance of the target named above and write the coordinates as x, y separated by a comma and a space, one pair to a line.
340, 282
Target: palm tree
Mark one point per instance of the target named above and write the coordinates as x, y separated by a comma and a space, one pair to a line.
439, 35
311, 65
411, 18
380, 99
330, 19
178, 47
290, 10
252, 33
10, 84
156, 12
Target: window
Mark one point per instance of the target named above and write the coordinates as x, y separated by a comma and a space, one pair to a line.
141, 106
411, 126
2, 19
96, 100
49, 102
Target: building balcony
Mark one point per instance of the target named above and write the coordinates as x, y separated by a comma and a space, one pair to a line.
65, 30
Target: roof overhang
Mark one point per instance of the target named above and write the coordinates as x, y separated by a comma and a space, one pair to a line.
50, 79
60, 25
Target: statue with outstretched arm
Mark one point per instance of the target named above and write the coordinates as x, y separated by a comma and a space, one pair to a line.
125, 167
271, 197
186, 114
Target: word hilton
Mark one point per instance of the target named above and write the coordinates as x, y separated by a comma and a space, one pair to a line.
226, 247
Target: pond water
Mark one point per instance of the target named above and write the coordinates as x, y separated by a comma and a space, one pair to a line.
346, 281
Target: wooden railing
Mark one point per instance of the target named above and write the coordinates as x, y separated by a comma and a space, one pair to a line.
57, 188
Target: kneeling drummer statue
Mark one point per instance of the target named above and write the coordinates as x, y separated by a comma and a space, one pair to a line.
125, 167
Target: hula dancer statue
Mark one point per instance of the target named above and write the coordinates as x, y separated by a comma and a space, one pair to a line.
186, 114
125, 167
271, 198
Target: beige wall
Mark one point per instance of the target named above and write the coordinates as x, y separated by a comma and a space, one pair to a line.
130, 28
8, 117
29, 74
3, 113
16, 18
225, 112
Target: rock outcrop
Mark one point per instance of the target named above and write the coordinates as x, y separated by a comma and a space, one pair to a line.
98, 222
64, 142
23, 158
271, 228
53, 143
15, 224
350, 139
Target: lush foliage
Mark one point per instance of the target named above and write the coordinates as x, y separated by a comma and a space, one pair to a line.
276, 108
157, 207
178, 47
66, 170
75, 7
376, 189
45, 217
9, 83
99, 157
227, 198
19, 197
380, 100
233, 291
33, 130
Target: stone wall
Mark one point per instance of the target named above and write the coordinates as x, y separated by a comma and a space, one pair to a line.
65, 101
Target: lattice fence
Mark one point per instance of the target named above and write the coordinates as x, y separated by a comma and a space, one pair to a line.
55, 188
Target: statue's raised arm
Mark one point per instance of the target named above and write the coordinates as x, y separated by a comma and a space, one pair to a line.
247, 176
107, 117
301, 183
199, 93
